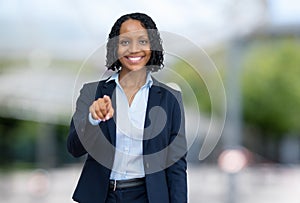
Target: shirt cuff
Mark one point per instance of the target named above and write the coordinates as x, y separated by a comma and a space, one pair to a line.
93, 121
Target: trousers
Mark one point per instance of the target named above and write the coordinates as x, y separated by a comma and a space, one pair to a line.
136, 194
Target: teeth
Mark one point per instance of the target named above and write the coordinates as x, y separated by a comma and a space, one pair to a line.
134, 58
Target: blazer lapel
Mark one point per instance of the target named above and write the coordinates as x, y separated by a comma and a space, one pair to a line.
108, 89
154, 100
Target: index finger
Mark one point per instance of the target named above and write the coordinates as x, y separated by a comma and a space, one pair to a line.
106, 98
107, 101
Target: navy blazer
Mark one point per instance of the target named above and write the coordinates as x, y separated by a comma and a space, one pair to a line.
164, 145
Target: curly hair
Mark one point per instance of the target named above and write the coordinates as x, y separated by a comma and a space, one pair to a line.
155, 62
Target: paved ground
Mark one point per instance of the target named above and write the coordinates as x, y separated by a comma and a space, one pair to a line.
207, 184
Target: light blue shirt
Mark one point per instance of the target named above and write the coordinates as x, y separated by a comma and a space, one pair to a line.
130, 121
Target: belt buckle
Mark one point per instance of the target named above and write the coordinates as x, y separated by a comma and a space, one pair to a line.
115, 185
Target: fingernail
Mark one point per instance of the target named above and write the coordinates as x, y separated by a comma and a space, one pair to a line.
107, 117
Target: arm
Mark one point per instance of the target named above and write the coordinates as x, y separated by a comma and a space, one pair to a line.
80, 122
84, 128
176, 173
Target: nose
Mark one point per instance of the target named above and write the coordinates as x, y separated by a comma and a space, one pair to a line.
134, 47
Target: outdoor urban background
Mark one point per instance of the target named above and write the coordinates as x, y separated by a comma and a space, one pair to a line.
243, 148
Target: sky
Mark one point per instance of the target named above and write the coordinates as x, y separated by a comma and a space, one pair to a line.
285, 12
61, 26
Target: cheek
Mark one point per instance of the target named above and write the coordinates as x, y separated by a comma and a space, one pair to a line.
120, 51
149, 54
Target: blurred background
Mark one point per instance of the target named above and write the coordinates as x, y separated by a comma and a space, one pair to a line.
48, 49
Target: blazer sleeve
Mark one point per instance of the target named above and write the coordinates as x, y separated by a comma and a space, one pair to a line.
176, 173
80, 124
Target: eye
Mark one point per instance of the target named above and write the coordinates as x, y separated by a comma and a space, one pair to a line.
124, 42
143, 42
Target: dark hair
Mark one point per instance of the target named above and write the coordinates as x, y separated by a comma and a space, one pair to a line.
155, 62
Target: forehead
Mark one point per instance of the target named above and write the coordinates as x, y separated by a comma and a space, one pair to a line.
131, 28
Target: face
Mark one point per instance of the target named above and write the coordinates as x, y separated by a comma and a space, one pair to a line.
134, 46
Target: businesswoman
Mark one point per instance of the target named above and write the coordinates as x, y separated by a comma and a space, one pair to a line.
130, 125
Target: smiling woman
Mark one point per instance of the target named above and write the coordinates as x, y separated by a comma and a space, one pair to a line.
131, 125
147, 37
134, 47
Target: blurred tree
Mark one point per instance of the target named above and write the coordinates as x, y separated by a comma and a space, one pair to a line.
6, 141
19, 144
195, 82
271, 87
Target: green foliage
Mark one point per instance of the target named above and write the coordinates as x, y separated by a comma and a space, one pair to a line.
9, 63
271, 86
195, 82
19, 143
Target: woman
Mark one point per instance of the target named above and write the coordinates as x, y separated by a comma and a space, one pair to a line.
130, 125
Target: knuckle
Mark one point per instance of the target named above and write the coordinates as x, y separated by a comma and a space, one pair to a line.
102, 108
97, 110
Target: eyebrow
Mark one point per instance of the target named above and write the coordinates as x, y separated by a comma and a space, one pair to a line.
140, 36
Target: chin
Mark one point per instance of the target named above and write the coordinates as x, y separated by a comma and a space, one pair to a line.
135, 68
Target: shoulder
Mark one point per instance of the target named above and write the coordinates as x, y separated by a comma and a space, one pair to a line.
95, 84
166, 88
95, 88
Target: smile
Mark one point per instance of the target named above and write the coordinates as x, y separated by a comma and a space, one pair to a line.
134, 59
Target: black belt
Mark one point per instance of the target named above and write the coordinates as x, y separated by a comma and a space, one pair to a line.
121, 184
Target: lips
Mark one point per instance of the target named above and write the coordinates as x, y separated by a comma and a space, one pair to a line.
134, 59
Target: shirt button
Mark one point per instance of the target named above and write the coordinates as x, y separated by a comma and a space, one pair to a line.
147, 165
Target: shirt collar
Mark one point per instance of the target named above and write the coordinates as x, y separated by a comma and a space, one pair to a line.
115, 77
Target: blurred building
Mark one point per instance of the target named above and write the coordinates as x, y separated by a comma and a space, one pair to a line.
42, 57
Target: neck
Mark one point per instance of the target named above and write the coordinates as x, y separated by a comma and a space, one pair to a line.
133, 79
